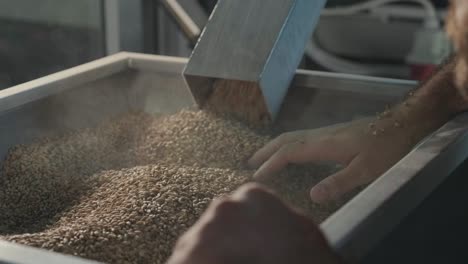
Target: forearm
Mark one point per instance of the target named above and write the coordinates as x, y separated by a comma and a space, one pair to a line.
440, 92
425, 109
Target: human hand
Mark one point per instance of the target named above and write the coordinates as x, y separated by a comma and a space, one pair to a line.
252, 226
368, 148
365, 147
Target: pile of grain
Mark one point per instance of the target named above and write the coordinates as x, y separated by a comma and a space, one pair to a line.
240, 99
124, 191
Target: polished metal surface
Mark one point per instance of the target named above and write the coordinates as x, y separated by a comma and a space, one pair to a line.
124, 25
186, 23
16, 254
84, 96
366, 219
260, 41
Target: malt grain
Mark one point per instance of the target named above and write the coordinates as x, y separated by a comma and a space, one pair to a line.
124, 191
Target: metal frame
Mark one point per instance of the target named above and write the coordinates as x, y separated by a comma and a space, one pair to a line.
186, 23
111, 24
374, 212
355, 228
146, 27
16, 254
124, 25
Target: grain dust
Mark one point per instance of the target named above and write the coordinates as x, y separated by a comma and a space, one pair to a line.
124, 191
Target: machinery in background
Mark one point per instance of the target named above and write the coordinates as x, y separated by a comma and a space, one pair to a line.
387, 38
41, 37
391, 38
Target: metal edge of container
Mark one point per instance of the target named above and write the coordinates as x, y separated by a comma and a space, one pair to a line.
368, 217
11, 253
101, 68
305, 78
383, 204
43, 87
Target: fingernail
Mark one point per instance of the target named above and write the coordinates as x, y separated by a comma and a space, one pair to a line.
319, 194
256, 175
259, 174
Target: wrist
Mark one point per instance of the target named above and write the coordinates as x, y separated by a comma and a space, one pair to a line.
424, 110
437, 100
441, 93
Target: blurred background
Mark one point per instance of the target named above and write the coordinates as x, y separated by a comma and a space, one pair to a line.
388, 38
